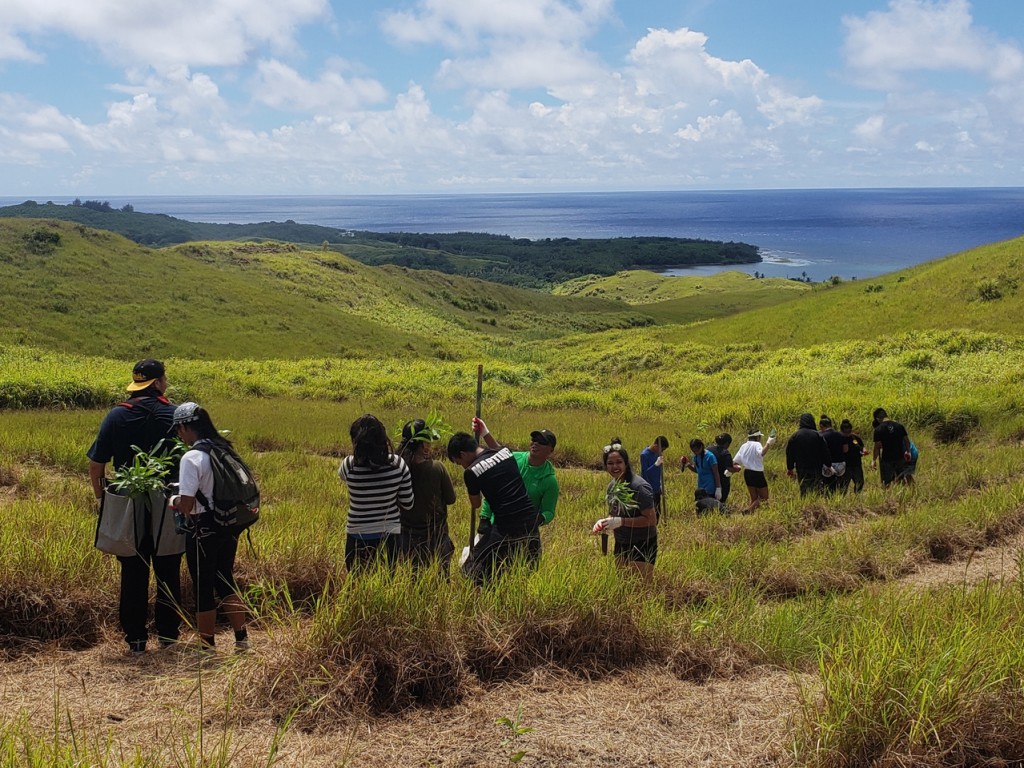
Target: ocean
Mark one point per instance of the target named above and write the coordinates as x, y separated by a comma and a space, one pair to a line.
852, 233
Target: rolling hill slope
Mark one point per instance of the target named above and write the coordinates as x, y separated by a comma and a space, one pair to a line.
67, 287
974, 290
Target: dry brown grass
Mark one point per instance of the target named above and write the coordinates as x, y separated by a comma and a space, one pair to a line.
643, 717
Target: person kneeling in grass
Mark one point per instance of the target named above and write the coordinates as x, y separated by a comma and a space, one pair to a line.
494, 475
209, 548
631, 515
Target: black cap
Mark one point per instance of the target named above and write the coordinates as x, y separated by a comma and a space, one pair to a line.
544, 437
145, 373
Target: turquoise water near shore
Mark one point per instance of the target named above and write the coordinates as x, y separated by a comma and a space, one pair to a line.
853, 233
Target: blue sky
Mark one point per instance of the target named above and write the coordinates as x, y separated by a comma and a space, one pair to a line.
114, 98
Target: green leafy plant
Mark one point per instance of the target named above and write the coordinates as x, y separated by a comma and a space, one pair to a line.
148, 471
623, 495
515, 730
434, 430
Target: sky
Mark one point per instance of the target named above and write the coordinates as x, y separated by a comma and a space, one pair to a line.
320, 97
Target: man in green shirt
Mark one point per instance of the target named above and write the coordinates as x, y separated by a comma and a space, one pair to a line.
537, 471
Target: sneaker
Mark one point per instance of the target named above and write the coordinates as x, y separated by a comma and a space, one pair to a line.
137, 647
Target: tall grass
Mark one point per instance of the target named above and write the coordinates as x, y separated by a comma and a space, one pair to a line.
935, 680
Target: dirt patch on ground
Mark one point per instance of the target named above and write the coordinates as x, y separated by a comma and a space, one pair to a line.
645, 717
1001, 562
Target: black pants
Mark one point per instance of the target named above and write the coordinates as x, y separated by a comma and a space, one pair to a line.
362, 553
855, 475
811, 482
496, 553
134, 604
211, 563
422, 546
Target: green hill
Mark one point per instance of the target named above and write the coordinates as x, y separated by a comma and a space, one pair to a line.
523, 262
976, 290
68, 287
686, 299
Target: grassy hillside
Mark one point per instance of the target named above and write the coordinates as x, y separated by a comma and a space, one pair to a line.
68, 287
889, 674
977, 289
686, 299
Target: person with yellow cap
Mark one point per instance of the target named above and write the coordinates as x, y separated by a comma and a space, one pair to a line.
140, 423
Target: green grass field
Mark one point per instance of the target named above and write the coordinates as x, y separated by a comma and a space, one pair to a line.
891, 674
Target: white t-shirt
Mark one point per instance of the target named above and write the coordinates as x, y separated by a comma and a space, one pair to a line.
195, 475
749, 456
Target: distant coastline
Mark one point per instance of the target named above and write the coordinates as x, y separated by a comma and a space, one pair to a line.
846, 232
540, 263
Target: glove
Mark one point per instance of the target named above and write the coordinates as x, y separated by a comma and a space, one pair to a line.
718, 494
659, 461
770, 440
606, 524
480, 428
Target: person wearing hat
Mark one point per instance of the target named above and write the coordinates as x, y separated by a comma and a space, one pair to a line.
140, 422
538, 475
750, 456
211, 548
425, 534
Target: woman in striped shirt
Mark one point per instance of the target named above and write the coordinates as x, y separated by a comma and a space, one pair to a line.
379, 487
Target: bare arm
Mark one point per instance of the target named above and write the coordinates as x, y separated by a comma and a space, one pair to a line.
96, 477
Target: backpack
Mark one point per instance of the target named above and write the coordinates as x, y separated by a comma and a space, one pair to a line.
236, 498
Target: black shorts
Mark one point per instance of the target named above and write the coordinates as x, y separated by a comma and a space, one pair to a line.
754, 479
637, 551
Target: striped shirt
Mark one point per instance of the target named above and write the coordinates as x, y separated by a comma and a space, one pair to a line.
376, 495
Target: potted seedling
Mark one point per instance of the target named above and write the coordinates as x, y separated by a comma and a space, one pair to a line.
134, 504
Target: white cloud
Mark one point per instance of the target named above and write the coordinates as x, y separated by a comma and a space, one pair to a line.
282, 87
469, 24
164, 34
925, 35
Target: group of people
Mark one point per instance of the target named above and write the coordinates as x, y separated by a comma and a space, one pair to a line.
826, 460
398, 497
147, 422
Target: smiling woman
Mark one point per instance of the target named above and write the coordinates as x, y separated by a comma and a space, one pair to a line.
632, 517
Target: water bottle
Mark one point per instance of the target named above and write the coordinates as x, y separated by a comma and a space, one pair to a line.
771, 434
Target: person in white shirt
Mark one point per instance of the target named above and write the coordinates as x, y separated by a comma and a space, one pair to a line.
210, 549
750, 456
